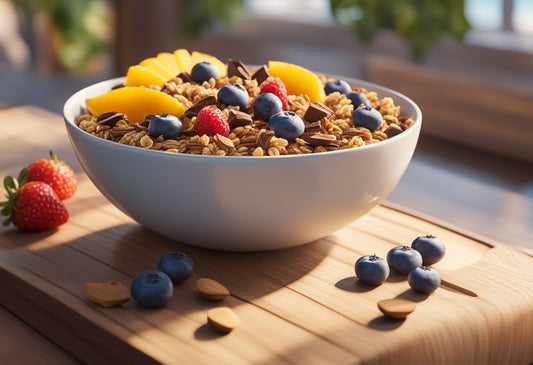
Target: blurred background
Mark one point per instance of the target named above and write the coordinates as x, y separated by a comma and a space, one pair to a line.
467, 63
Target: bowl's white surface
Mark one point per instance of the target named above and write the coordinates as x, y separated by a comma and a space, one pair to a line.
243, 203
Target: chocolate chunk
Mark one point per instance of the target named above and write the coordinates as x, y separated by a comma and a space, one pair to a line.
261, 74
317, 111
200, 104
320, 139
314, 127
238, 119
263, 139
239, 69
110, 118
185, 76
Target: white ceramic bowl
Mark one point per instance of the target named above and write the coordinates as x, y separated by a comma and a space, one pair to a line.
243, 203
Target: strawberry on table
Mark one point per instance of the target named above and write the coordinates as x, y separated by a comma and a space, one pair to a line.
32, 206
55, 173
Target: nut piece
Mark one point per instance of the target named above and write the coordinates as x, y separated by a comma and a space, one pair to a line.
107, 294
222, 319
396, 308
211, 289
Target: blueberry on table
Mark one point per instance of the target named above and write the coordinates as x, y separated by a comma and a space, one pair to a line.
367, 117
357, 98
266, 105
165, 125
203, 71
403, 259
177, 265
372, 270
424, 279
152, 288
338, 85
430, 247
235, 95
286, 125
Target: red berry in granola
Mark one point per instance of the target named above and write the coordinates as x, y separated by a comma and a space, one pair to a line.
55, 173
275, 86
210, 121
32, 206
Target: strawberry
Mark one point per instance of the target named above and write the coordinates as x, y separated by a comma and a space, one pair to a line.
210, 121
55, 173
32, 206
275, 86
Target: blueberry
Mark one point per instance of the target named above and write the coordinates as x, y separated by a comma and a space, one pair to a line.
367, 117
152, 288
177, 265
235, 95
338, 85
403, 259
372, 270
266, 105
165, 125
203, 71
286, 125
424, 279
358, 98
430, 247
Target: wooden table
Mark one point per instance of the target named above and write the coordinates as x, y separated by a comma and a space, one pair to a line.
299, 305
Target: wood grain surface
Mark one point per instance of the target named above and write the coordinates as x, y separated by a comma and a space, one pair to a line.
298, 305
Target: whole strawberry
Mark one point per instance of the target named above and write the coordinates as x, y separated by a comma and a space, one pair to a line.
55, 173
275, 86
32, 206
210, 121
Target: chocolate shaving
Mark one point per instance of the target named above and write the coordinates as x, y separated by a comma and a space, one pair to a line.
317, 111
200, 104
118, 86
263, 139
261, 74
238, 119
110, 118
239, 69
185, 76
320, 139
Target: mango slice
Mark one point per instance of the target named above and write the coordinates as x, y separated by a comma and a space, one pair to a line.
203, 57
169, 61
183, 57
136, 102
298, 80
143, 76
155, 65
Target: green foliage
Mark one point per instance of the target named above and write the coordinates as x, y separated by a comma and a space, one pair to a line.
82, 27
196, 16
421, 22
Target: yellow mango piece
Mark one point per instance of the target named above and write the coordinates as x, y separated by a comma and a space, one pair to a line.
169, 61
136, 102
203, 57
298, 80
143, 76
183, 57
155, 65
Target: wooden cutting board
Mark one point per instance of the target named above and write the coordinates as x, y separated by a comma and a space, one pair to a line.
299, 305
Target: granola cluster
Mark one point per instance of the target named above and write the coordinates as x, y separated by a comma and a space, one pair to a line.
329, 125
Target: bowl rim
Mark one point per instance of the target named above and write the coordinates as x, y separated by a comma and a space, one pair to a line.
70, 102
